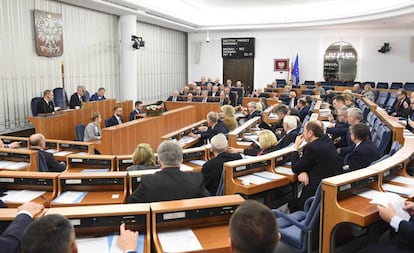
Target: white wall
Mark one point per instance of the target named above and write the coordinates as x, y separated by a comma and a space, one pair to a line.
310, 45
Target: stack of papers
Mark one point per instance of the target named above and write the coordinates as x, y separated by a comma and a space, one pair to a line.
185, 139
105, 244
179, 241
70, 197
10, 165
198, 162
21, 196
268, 175
284, 170
51, 150
184, 167
253, 179
403, 180
63, 153
404, 191
95, 170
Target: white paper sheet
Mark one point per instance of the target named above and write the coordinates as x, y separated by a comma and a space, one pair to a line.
15, 165
284, 170
5, 163
252, 179
198, 162
396, 201
90, 245
268, 175
405, 191
63, 153
51, 150
184, 167
368, 193
403, 180
21, 196
179, 241
70, 197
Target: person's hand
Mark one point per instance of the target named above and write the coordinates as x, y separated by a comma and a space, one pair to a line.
409, 207
192, 135
31, 207
386, 213
202, 128
299, 140
128, 239
394, 114
303, 177
15, 144
234, 150
405, 104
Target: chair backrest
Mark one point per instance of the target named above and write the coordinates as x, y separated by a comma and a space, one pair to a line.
220, 187
391, 101
61, 99
382, 85
370, 83
307, 92
33, 105
349, 83
383, 139
281, 81
86, 95
395, 146
382, 98
396, 85
80, 131
42, 163
308, 82
313, 212
409, 86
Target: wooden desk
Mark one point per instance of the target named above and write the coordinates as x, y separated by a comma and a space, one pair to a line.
123, 139
180, 133
7, 215
268, 113
239, 131
337, 198
20, 155
201, 109
396, 128
24, 141
371, 104
79, 163
207, 217
104, 219
123, 162
61, 149
199, 153
238, 168
35, 181
102, 187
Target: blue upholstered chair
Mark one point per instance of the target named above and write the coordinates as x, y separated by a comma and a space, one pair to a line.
296, 228
396, 85
61, 98
86, 95
220, 187
409, 86
308, 82
391, 102
33, 105
395, 146
383, 98
42, 163
307, 92
382, 85
80, 131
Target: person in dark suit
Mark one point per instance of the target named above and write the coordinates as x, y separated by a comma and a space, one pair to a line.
365, 152
318, 161
223, 100
77, 98
10, 240
214, 126
292, 99
354, 116
170, 183
339, 129
53, 233
230, 95
403, 242
175, 97
291, 130
402, 106
116, 118
38, 142
99, 95
137, 110
252, 111
190, 98
303, 108
267, 141
214, 91
204, 97
46, 105
213, 168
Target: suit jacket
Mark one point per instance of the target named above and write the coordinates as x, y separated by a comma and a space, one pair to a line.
253, 114
75, 101
52, 164
45, 107
213, 169
287, 139
112, 121
339, 131
224, 102
95, 97
132, 115
170, 98
208, 100
320, 160
169, 184
210, 132
400, 110
232, 98
257, 151
303, 112
11, 237
362, 156
210, 93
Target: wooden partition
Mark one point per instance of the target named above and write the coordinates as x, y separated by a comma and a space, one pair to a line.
208, 219
235, 183
181, 135
105, 219
269, 101
61, 125
396, 128
20, 159
123, 139
91, 163
235, 137
35, 181
201, 109
268, 116
101, 187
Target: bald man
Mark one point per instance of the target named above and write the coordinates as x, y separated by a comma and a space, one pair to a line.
38, 142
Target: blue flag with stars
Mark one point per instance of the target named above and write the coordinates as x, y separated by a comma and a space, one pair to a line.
295, 70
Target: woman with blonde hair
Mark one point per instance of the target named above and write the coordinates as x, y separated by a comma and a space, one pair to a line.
267, 140
143, 158
93, 129
228, 116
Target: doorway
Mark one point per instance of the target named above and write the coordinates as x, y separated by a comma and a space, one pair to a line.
240, 69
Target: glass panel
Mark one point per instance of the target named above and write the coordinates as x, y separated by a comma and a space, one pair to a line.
340, 62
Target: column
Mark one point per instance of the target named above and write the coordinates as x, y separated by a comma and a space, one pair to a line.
128, 59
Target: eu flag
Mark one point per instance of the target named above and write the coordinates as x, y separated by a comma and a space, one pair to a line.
295, 70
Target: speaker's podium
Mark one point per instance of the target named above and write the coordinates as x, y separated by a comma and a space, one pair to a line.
193, 225
104, 220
